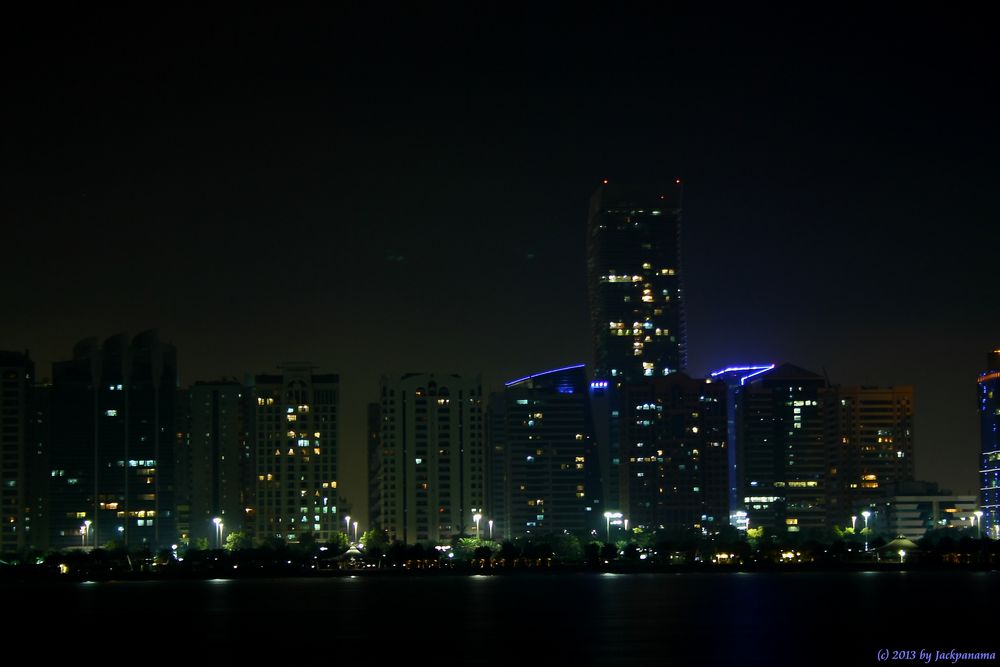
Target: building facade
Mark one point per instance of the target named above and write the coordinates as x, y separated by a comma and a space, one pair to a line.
781, 436
870, 446
111, 438
433, 472
636, 303
989, 458
295, 439
543, 468
734, 377
16, 382
675, 454
218, 471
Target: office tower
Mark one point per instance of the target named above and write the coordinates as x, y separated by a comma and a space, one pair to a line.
634, 281
870, 446
674, 454
217, 468
734, 377
544, 476
112, 439
989, 461
16, 380
636, 306
296, 443
781, 430
374, 415
433, 456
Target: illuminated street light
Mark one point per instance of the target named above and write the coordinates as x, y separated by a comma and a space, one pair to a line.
476, 517
83, 536
491, 528
355, 531
218, 532
87, 525
607, 517
866, 514
347, 529
979, 520
854, 522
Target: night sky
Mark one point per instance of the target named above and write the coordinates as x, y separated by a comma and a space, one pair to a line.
394, 190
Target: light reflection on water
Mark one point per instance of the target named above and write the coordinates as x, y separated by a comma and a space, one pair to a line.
739, 618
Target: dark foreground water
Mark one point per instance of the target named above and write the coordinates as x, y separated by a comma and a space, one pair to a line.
552, 619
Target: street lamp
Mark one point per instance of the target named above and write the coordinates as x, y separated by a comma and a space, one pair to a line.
626, 528
607, 517
854, 522
491, 528
83, 536
355, 531
87, 525
979, 520
347, 520
218, 532
476, 517
866, 514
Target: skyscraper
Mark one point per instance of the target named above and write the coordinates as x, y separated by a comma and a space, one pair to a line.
218, 460
781, 430
989, 461
295, 441
16, 380
112, 436
543, 464
433, 473
634, 282
870, 446
636, 304
735, 377
674, 454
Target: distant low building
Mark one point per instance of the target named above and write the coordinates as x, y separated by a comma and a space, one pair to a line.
913, 508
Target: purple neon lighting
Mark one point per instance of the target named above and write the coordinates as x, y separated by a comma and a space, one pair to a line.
756, 370
535, 375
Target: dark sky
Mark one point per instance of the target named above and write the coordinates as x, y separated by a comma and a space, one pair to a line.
406, 189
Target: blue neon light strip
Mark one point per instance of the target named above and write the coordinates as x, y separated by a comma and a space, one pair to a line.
755, 370
554, 370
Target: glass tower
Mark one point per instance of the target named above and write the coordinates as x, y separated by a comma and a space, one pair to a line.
633, 270
989, 461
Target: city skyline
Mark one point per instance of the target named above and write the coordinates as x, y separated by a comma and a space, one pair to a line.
411, 210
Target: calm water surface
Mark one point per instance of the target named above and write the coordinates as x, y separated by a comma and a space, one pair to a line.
555, 619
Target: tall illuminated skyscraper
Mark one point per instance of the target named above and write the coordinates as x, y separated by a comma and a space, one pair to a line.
636, 306
634, 281
989, 462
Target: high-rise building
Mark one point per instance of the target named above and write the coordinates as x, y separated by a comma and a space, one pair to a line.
374, 415
543, 467
112, 436
781, 433
295, 440
16, 380
735, 377
634, 281
674, 454
870, 446
433, 472
636, 303
989, 460
218, 468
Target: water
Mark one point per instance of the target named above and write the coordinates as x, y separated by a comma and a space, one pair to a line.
573, 619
